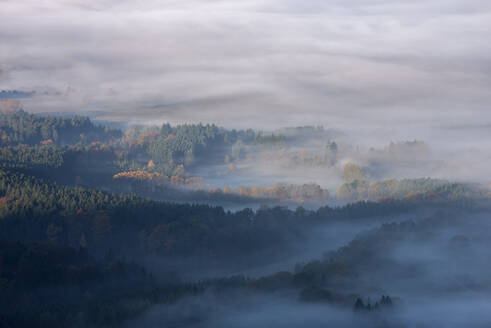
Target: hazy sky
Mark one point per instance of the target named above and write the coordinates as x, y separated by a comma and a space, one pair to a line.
253, 62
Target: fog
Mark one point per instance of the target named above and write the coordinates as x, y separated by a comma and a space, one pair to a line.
466, 310
433, 265
307, 245
455, 161
252, 311
379, 64
379, 71
327, 163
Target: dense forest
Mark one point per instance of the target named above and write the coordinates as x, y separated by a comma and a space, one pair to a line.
100, 226
245, 164
48, 232
159, 161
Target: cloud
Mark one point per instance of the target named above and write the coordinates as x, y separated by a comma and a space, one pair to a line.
254, 63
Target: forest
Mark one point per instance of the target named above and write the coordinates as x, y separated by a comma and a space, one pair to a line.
182, 226
245, 164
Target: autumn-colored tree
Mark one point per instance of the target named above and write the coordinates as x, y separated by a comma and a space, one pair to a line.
179, 171
170, 137
356, 190
353, 172
46, 142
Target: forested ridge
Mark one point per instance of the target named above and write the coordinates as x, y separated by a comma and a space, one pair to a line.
38, 220
33, 209
89, 236
77, 152
21, 127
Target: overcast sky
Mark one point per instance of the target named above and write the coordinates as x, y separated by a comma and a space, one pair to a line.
264, 63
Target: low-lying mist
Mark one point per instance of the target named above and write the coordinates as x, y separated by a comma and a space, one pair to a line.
433, 265
246, 163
